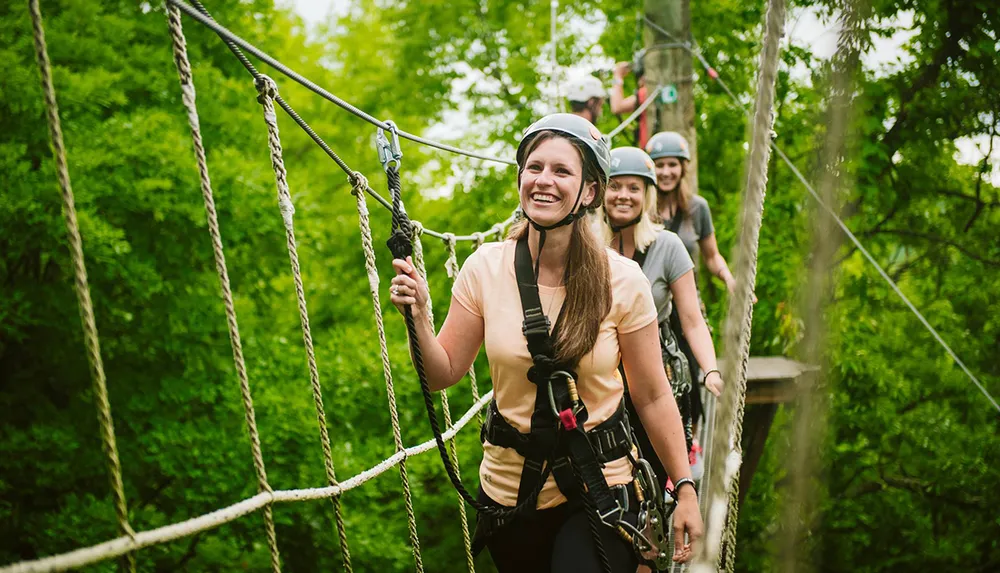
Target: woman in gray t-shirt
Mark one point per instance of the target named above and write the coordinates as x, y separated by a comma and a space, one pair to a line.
626, 224
681, 212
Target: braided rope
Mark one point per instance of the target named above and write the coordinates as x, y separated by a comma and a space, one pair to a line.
268, 91
723, 516
188, 96
451, 267
418, 261
81, 285
373, 285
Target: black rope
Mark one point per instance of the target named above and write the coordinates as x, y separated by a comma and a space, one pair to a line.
594, 521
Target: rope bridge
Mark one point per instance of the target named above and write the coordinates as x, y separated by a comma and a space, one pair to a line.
722, 515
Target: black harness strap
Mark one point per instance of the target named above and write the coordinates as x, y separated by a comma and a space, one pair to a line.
639, 257
550, 417
610, 439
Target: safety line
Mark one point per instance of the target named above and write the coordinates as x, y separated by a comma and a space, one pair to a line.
649, 100
497, 228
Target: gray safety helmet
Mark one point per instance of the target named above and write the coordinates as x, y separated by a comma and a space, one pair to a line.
576, 127
668, 144
632, 161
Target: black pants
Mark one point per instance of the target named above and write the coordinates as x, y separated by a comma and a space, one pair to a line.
555, 540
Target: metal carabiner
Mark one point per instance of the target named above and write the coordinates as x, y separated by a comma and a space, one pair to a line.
574, 397
389, 152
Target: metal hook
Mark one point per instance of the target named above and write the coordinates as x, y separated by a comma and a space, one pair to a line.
389, 153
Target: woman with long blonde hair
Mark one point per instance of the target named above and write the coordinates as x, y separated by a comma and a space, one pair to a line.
627, 224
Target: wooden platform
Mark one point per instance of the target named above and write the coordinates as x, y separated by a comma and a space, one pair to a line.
771, 381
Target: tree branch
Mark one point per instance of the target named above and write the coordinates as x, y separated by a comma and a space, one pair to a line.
983, 168
935, 239
949, 48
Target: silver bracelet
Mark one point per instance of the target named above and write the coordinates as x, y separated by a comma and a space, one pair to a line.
682, 481
705, 377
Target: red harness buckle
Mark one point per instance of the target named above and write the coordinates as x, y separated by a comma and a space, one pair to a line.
568, 419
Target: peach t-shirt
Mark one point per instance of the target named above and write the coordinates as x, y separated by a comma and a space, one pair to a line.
487, 288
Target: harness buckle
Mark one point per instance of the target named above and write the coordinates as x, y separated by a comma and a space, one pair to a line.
613, 517
535, 323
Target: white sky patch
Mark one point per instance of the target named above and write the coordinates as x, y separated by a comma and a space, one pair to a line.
972, 150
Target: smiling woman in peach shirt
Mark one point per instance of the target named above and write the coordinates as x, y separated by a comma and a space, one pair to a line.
606, 316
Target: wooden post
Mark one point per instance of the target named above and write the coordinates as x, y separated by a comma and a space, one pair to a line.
668, 62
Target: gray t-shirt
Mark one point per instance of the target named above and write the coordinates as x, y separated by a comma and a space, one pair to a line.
696, 225
666, 261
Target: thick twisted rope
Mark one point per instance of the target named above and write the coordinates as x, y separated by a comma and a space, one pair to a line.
267, 94
451, 267
418, 261
81, 285
722, 517
358, 182
400, 246
188, 97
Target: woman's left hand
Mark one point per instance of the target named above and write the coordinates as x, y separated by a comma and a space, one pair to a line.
714, 383
687, 520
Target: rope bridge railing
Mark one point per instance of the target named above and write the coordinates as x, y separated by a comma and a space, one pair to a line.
693, 48
730, 416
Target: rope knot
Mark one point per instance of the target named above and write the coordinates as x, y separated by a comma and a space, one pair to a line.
542, 367
266, 88
497, 230
359, 183
416, 229
399, 244
451, 263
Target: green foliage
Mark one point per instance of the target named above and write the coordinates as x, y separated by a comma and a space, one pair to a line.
910, 463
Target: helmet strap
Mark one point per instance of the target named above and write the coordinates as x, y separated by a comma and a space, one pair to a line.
617, 229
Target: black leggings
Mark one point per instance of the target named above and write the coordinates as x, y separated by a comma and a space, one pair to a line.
555, 540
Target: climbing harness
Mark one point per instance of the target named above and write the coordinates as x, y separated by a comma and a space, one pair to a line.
729, 418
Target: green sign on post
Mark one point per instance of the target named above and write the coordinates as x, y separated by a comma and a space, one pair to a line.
669, 94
